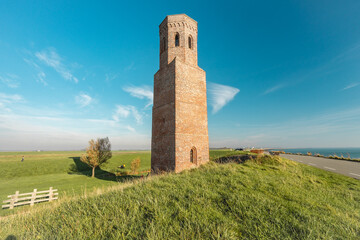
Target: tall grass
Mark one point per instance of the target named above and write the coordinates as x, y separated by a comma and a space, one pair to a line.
264, 198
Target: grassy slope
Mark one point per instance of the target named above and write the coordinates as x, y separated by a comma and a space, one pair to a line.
269, 200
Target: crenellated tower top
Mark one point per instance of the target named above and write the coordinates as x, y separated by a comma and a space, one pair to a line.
178, 38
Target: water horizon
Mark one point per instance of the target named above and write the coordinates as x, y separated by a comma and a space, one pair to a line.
350, 152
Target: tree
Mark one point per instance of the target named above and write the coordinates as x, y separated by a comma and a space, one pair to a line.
97, 153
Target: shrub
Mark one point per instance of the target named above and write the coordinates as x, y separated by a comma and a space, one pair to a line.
268, 160
135, 165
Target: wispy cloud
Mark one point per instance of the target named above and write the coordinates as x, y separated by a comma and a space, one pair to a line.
144, 92
11, 97
10, 80
122, 111
110, 77
274, 88
327, 67
352, 85
131, 129
83, 99
220, 95
130, 67
52, 59
6, 100
40, 76
347, 54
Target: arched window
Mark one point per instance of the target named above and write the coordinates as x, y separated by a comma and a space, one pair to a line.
177, 40
193, 155
190, 42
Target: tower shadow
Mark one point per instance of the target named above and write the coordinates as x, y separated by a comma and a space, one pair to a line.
233, 159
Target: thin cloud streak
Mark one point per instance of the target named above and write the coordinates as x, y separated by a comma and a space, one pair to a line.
320, 70
130, 67
144, 92
40, 76
110, 77
11, 97
274, 89
220, 95
53, 60
10, 80
83, 100
351, 86
7, 100
123, 112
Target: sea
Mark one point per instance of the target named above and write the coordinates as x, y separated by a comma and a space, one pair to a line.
353, 153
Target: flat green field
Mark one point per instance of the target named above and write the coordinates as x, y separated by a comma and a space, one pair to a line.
61, 170
65, 172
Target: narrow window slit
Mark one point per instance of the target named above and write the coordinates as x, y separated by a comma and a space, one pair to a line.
177, 40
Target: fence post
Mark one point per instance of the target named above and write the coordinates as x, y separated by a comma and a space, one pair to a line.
14, 199
51, 194
33, 197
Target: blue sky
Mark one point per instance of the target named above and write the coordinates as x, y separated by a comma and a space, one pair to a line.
279, 73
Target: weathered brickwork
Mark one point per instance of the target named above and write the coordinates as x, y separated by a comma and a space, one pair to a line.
179, 128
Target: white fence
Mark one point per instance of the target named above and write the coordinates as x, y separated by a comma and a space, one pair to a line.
30, 198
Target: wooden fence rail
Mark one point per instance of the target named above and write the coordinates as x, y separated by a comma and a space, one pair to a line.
30, 198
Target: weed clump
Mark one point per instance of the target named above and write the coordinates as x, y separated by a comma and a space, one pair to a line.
264, 159
135, 165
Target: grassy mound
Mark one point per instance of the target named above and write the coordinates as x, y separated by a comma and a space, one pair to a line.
264, 198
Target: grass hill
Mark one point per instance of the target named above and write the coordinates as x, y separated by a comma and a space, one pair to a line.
266, 198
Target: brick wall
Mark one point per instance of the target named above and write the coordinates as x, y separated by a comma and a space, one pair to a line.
180, 109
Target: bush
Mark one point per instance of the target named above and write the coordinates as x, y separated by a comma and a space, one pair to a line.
135, 165
268, 160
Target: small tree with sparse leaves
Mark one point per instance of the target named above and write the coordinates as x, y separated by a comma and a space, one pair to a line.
97, 153
135, 165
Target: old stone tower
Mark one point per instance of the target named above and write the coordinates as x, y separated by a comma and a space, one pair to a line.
179, 125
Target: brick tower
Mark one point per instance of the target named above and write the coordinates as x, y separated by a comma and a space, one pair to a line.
179, 125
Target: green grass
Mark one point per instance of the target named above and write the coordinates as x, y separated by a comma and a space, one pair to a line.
267, 198
63, 171
226, 153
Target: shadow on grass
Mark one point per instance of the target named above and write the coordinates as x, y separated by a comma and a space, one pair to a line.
80, 168
234, 159
10, 237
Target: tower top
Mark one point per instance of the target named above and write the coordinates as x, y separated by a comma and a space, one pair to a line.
178, 38
182, 17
